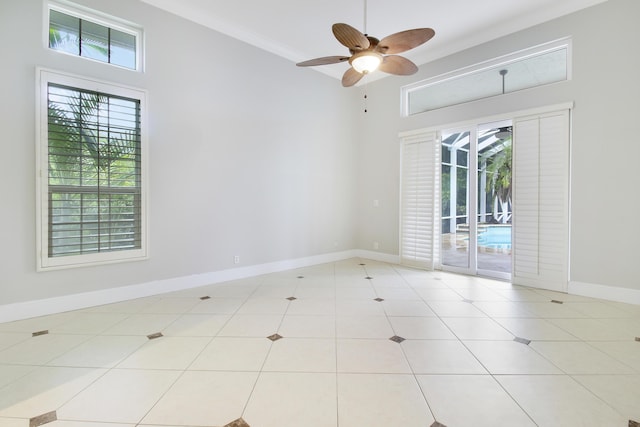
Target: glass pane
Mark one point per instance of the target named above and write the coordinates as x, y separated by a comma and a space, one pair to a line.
94, 41
494, 200
123, 49
64, 32
455, 221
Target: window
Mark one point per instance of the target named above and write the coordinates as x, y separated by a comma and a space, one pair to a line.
86, 34
537, 66
92, 164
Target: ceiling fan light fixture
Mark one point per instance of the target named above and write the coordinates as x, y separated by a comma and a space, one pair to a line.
366, 62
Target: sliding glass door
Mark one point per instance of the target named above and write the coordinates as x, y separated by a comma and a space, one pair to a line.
476, 200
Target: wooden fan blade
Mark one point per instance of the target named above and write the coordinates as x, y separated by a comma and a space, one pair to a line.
405, 40
350, 37
351, 77
323, 61
394, 64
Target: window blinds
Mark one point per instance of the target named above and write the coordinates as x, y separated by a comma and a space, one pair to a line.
94, 172
420, 201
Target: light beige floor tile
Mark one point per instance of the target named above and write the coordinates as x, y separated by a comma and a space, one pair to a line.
10, 373
312, 307
197, 325
420, 328
167, 305
522, 295
455, 309
481, 294
363, 327
274, 291
100, 352
166, 353
204, 398
407, 308
44, 389
438, 294
60, 423
308, 326
359, 308
41, 349
510, 357
466, 328
499, 309
125, 307
293, 400
381, 400
535, 329
599, 310
37, 323
14, 422
113, 398
233, 354
251, 325
89, 323
8, 339
627, 352
476, 400
260, 305
397, 294
580, 358
306, 292
440, 357
550, 310
343, 293
621, 392
217, 306
142, 324
302, 355
558, 400
371, 356
593, 329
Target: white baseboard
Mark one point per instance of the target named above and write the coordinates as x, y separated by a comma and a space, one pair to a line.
377, 256
611, 293
42, 307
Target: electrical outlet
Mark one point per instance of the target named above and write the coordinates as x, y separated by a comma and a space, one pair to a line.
375, 245
236, 259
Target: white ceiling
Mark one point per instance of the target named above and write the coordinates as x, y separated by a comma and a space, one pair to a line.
301, 29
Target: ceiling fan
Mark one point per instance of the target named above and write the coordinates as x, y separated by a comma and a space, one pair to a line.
369, 53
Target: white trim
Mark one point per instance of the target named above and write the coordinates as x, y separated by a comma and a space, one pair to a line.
28, 309
606, 292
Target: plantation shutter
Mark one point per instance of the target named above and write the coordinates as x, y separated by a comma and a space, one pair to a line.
541, 201
94, 172
420, 201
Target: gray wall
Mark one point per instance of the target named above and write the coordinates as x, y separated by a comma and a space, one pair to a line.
249, 155
605, 145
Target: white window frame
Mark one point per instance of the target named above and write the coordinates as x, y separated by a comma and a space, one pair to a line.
96, 17
505, 60
44, 262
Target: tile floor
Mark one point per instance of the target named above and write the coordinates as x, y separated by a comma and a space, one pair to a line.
468, 352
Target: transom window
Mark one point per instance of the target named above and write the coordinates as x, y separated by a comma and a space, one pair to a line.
89, 35
92, 198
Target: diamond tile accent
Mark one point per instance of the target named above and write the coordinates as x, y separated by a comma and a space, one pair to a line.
154, 336
638, 339
49, 417
437, 424
368, 277
555, 301
238, 423
469, 301
634, 423
300, 277
362, 264
292, 298
397, 339
275, 337
379, 299
522, 340
205, 297
38, 333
